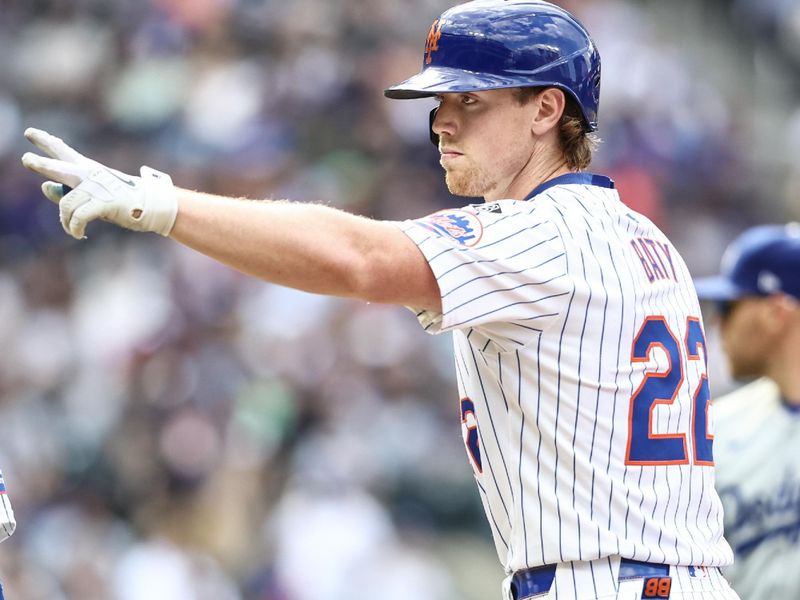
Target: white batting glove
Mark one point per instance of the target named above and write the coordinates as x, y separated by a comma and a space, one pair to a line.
145, 203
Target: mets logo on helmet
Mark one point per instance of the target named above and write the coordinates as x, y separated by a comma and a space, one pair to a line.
432, 43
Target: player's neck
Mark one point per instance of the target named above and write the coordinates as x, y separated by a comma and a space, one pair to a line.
784, 372
789, 385
529, 178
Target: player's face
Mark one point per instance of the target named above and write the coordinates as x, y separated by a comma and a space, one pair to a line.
746, 338
485, 142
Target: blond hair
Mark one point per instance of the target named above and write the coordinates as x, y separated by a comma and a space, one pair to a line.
576, 141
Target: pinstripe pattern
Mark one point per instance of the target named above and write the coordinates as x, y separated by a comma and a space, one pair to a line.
7, 521
544, 310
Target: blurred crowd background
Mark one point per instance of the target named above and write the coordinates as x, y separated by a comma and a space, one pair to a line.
170, 429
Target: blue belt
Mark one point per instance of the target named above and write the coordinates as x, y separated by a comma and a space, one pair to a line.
538, 580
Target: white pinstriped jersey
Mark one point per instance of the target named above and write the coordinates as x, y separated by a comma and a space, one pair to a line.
758, 479
7, 522
579, 354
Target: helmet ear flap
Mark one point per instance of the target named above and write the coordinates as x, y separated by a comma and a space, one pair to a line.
431, 119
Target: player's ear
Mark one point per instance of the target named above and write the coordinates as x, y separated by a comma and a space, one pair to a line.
551, 103
785, 306
779, 309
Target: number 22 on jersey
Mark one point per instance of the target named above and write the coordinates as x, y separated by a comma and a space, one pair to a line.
663, 387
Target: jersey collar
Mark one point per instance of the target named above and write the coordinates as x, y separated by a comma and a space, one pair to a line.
573, 178
792, 408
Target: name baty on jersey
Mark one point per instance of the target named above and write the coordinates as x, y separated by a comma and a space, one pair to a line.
656, 259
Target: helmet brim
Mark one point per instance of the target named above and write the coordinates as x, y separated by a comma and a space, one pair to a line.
439, 80
717, 289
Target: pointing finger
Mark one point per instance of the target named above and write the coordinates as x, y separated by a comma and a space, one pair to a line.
63, 172
52, 145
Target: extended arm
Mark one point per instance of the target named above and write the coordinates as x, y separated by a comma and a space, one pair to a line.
305, 246
309, 247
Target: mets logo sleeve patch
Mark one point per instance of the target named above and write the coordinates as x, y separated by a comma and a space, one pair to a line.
461, 226
494, 266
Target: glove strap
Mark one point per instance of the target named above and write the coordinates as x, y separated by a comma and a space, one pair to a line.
161, 204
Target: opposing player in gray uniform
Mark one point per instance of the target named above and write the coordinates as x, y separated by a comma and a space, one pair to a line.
579, 348
757, 435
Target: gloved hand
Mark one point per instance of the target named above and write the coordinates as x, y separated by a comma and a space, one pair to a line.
145, 203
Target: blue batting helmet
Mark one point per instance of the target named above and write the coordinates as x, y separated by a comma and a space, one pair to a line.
763, 260
492, 44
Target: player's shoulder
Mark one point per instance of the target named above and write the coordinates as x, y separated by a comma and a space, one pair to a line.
481, 224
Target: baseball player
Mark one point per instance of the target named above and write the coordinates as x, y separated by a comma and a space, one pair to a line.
579, 348
758, 425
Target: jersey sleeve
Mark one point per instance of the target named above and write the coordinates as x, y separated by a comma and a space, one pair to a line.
501, 272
